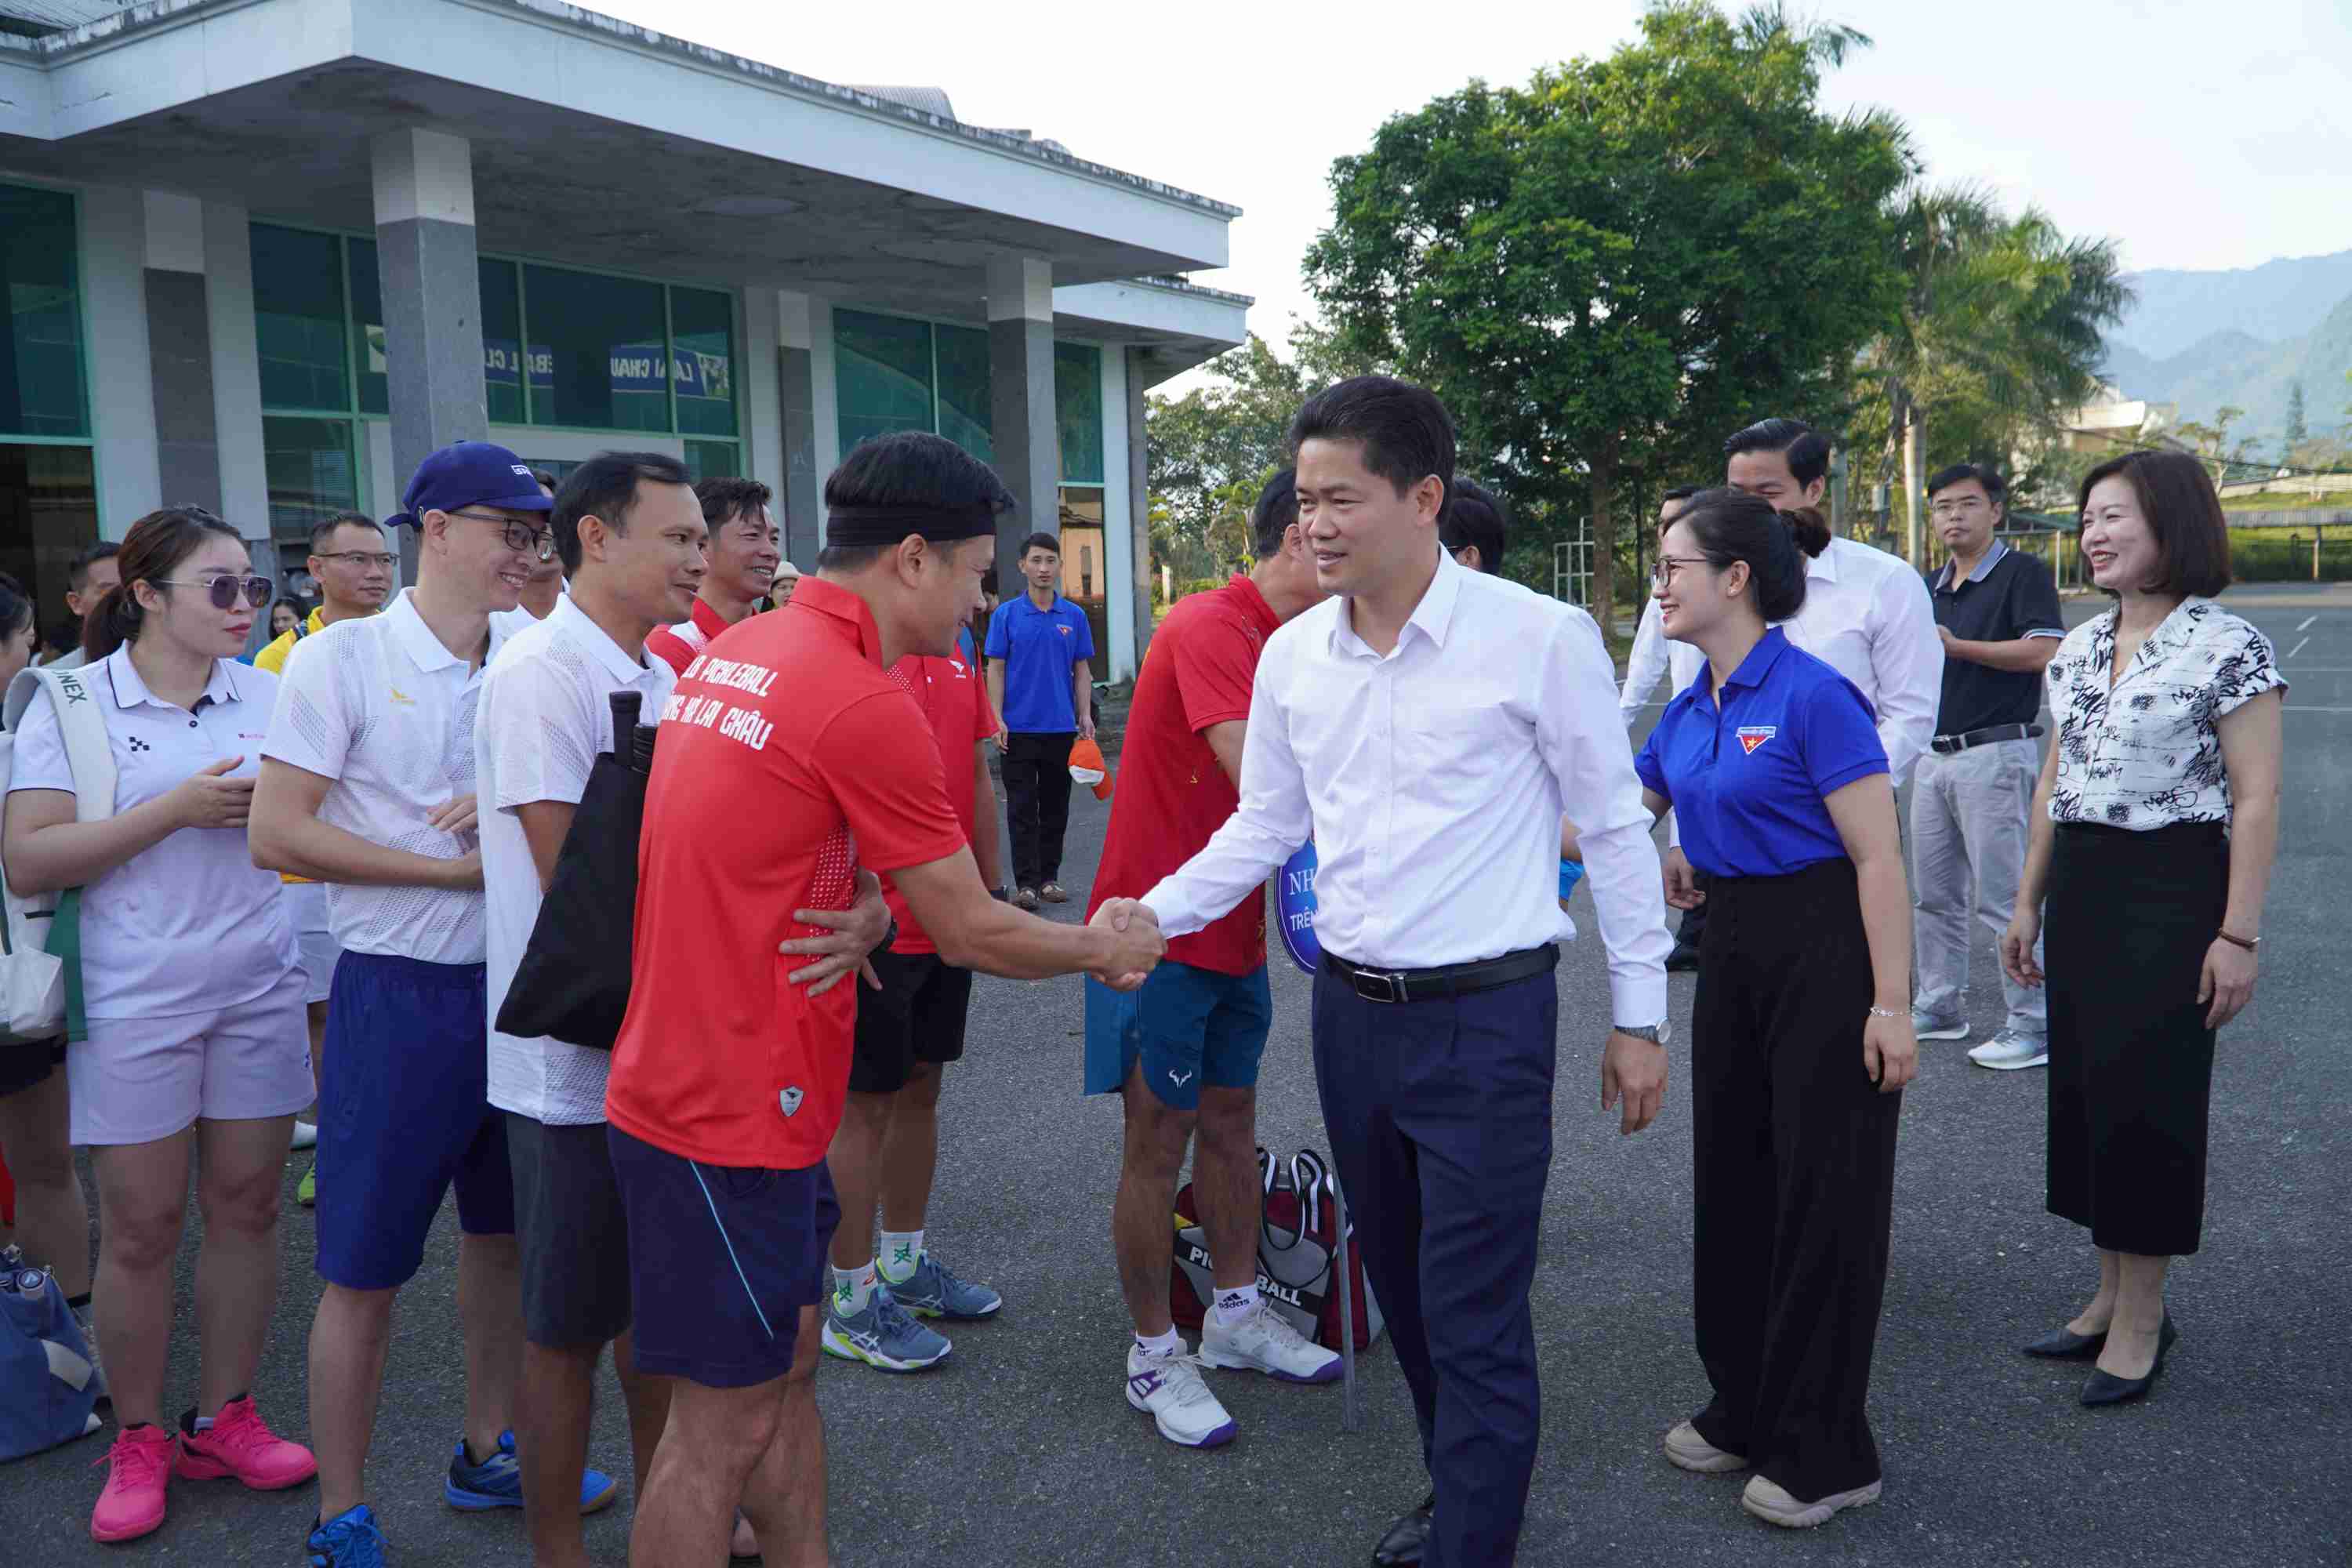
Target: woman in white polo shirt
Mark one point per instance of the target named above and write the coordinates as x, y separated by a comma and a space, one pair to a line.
194, 996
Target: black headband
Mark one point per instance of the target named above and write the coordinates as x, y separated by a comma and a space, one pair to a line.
889, 525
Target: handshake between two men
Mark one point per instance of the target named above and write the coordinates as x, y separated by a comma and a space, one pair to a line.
1137, 943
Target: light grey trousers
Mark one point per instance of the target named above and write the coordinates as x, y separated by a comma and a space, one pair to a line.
1969, 832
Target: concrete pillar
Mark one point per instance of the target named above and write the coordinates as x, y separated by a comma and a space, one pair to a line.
432, 299
1139, 496
114, 313
180, 356
237, 369
800, 487
1022, 426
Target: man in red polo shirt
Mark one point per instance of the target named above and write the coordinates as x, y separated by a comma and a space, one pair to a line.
745, 550
1184, 1050
789, 766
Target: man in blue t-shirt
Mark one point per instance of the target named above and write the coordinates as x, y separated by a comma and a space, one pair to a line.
1041, 682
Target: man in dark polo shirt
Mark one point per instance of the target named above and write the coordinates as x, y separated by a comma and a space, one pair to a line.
1997, 613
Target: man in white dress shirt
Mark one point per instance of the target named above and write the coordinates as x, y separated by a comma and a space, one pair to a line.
1653, 656
1867, 613
1429, 726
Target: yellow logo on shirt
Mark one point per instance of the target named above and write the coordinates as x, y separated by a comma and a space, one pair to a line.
403, 697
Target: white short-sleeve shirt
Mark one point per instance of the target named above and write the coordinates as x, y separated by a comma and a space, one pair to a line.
546, 712
1867, 615
379, 706
190, 923
2147, 754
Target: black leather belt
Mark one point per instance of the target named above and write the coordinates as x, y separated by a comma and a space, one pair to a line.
1949, 743
1452, 980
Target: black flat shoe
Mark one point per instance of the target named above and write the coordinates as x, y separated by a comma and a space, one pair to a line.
2105, 1388
1683, 959
2065, 1344
1402, 1547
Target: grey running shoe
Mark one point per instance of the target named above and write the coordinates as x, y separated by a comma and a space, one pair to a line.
883, 1335
932, 1290
1928, 1027
2010, 1050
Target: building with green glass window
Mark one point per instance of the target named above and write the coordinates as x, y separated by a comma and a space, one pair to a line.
263, 254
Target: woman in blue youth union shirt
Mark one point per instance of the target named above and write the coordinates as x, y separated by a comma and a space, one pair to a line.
1800, 1037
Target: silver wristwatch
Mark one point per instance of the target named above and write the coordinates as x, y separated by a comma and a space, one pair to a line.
1657, 1034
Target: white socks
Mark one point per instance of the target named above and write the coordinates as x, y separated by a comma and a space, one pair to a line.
1234, 1304
900, 1252
1170, 1344
852, 1289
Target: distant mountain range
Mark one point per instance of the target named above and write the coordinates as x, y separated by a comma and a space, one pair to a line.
2242, 338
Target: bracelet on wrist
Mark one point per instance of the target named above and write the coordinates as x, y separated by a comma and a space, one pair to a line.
2250, 944
1886, 1012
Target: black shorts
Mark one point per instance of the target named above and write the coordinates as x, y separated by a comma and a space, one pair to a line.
721, 1260
916, 1016
26, 1063
570, 1229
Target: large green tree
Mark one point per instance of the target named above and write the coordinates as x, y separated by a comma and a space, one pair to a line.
1606, 271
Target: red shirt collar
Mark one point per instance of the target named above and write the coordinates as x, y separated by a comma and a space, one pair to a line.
845, 614
1247, 592
707, 621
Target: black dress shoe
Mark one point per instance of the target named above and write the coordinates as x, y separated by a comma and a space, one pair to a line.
2105, 1388
1406, 1539
1684, 957
2065, 1344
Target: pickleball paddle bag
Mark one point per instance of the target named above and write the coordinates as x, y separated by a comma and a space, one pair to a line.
573, 981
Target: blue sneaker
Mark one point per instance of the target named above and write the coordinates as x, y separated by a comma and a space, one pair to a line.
883, 1335
350, 1540
934, 1291
497, 1481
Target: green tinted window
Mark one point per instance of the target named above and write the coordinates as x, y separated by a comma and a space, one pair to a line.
963, 390
505, 364
41, 385
604, 343
1078, 412
703, 325
297, 312
48, 513
311, 472
367, 316
882, 375
713, 460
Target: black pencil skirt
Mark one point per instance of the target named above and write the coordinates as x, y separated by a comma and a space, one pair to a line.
2126, 925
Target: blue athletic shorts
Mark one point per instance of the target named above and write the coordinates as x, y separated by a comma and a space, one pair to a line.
721, 1260
1187, 1026
404, 1112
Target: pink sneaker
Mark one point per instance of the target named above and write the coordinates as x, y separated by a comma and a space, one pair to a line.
239, 1443
138, 1469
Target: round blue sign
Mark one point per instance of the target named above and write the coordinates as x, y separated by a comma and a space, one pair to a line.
1294, 906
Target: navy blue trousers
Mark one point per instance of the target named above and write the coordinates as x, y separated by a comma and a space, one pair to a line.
1440, 1119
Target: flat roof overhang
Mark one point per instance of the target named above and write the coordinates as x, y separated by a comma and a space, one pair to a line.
594, 140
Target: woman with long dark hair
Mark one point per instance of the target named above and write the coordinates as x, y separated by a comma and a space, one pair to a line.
193, 997
2154, 828
1800, 1037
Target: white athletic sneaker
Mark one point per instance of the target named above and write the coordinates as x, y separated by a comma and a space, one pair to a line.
1169, 1388
2010, 1050
306, 1136
1264, 1341
1928, 1027
1686, 1448
1771, 1502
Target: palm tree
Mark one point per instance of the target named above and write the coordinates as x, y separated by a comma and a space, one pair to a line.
2008, 312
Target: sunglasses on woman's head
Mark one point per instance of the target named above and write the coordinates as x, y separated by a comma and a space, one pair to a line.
223, 590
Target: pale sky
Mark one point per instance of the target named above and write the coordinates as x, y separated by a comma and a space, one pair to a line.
2200, 134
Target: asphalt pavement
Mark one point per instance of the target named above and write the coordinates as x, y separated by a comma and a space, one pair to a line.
1021, 1449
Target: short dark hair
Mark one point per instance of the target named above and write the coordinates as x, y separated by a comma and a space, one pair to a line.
323, 531
2175, 496
1673, 494
78, 569
1995, 488
725, 499
605, 488
1277, 509
908, 469
1404, 431
1807, 450
1475, 515
542, 478
15, 606
1731, 526
1041, 540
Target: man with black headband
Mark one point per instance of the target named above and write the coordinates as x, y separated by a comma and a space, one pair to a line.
726, 1081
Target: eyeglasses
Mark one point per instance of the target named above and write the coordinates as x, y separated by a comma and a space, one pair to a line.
1663, 573
366, 558
1957, 508
538, 543
222, 590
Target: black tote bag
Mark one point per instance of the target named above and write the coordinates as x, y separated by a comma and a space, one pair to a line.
574, 983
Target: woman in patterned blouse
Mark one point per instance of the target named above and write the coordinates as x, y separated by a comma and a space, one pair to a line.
2155, 826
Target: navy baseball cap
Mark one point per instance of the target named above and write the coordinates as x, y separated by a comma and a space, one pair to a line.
469, 473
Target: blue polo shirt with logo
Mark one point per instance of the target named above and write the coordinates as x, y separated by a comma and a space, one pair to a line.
1038, 648
1748, 780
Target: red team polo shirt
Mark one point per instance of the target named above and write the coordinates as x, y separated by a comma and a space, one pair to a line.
954, 698
1172, 795
787, 760
677, 646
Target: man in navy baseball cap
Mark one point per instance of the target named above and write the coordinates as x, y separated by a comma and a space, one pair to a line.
465, 474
